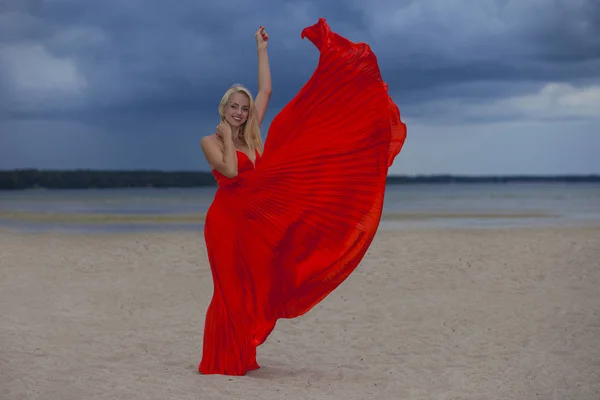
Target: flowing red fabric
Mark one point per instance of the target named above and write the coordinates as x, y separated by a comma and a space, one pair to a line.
287, 230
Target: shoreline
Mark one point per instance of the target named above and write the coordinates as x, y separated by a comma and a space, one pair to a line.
390, 220
51, 216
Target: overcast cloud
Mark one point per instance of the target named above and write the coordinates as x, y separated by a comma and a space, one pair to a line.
485, 87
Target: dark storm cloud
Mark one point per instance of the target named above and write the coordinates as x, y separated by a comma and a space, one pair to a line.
445, 43
155, 55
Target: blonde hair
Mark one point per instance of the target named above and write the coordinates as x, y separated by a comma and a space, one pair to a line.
250, 130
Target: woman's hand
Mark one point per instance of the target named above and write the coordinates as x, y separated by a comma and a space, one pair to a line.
261, 38
224, 131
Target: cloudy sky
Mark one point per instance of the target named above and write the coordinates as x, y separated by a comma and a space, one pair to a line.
485, 87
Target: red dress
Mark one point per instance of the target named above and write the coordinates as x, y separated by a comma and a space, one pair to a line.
287, 230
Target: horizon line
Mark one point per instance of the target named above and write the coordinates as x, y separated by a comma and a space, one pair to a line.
190, 171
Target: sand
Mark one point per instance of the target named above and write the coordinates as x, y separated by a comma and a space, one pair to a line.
429, 314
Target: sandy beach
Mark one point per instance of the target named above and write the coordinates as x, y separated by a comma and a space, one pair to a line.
429, 314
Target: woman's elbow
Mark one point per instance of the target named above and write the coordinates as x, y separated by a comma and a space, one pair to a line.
230, 173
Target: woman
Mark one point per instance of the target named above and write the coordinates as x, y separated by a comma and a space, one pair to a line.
290, 223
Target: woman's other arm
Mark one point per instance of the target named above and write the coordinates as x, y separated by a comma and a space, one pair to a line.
219, 150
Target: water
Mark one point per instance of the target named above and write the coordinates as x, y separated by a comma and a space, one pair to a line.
414, 205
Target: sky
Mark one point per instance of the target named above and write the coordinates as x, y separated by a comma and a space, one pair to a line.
485, 87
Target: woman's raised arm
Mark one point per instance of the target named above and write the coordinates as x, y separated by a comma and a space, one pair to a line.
264, 75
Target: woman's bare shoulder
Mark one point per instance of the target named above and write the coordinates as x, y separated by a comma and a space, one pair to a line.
212, 138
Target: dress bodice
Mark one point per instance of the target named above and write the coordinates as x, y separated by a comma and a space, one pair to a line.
244, 165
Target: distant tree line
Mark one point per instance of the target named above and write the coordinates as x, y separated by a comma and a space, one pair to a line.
395, 179
92, 179
88, 179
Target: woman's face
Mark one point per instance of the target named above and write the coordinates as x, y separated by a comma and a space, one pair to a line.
237, 109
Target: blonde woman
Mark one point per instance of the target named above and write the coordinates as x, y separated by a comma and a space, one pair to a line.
241, 116
291, 221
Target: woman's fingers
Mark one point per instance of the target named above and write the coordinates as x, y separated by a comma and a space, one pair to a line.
263, 33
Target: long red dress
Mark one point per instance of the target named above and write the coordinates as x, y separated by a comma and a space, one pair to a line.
287, 230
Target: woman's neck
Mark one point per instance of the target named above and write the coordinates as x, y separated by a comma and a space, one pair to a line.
235, 130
